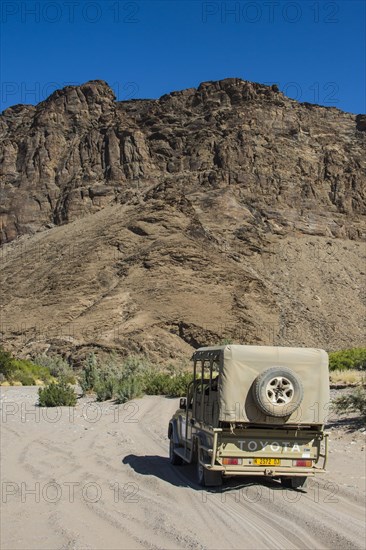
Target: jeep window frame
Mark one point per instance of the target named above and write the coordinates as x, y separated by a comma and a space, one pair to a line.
213, 358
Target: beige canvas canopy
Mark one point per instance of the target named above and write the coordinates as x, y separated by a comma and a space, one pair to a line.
240, 365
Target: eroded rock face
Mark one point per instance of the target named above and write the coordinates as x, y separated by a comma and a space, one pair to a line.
300, 166
361, 123
227, 212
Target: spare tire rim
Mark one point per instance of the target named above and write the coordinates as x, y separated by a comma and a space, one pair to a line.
280, 390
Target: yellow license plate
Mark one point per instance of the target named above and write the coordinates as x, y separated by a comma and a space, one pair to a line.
267, 461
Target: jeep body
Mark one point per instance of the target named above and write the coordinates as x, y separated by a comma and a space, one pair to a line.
253, 411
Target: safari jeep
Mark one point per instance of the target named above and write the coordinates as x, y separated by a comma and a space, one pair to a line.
253, 411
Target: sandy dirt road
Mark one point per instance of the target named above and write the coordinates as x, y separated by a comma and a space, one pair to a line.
98, 477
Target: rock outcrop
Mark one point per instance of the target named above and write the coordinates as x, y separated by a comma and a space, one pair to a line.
80, 150
226, 211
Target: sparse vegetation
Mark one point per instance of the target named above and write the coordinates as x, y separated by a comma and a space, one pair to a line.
106, 389
57, 395
354, 402
348, 359
128, 389
172, 384
58, 367
113, 378
22, 371
24, 377
90, 377
6, 366
117, 378
125, 379
347, 377
134, 365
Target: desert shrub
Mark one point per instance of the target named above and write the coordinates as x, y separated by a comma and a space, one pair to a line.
348, 359
106, 389
57, 395
114, 377
155, 383
150, 383
179, 383
165, 383
57, 366
128, 388
134, 365
110, 367
128, 378
37, 371
22, 370
28, 373
25, 378
353, 402
6, 363
90, 377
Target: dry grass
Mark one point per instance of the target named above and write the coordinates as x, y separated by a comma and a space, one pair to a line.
348, 376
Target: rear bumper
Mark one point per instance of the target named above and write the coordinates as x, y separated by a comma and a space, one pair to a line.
275, 471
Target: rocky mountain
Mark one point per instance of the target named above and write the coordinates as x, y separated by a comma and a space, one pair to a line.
226, 211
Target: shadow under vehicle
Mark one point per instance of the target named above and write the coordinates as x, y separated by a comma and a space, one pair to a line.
253, 411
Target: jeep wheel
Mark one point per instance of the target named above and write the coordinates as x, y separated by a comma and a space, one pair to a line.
294, 482
205, 477
173, 458
278, 392
208, 478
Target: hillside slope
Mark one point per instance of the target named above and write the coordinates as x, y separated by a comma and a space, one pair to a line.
227, 211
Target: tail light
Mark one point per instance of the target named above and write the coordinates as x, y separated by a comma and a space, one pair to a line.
232, 461
304, 463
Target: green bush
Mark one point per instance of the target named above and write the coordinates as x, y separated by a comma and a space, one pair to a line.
27, 373
105, 389
25, 378
150, 383
57, 395
131, 377
22, 370
113, 377
57, 366
179, 383
134, 365
111, 367
90, 376
155, 383
117, 367
36, 371
6, 363
353, 402
128, 389
348, 359
164, 383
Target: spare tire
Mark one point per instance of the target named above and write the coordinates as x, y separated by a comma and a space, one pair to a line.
278, 392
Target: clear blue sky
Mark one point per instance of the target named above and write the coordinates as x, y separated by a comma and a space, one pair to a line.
314, 50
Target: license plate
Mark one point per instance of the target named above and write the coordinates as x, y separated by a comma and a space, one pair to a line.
267, 461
